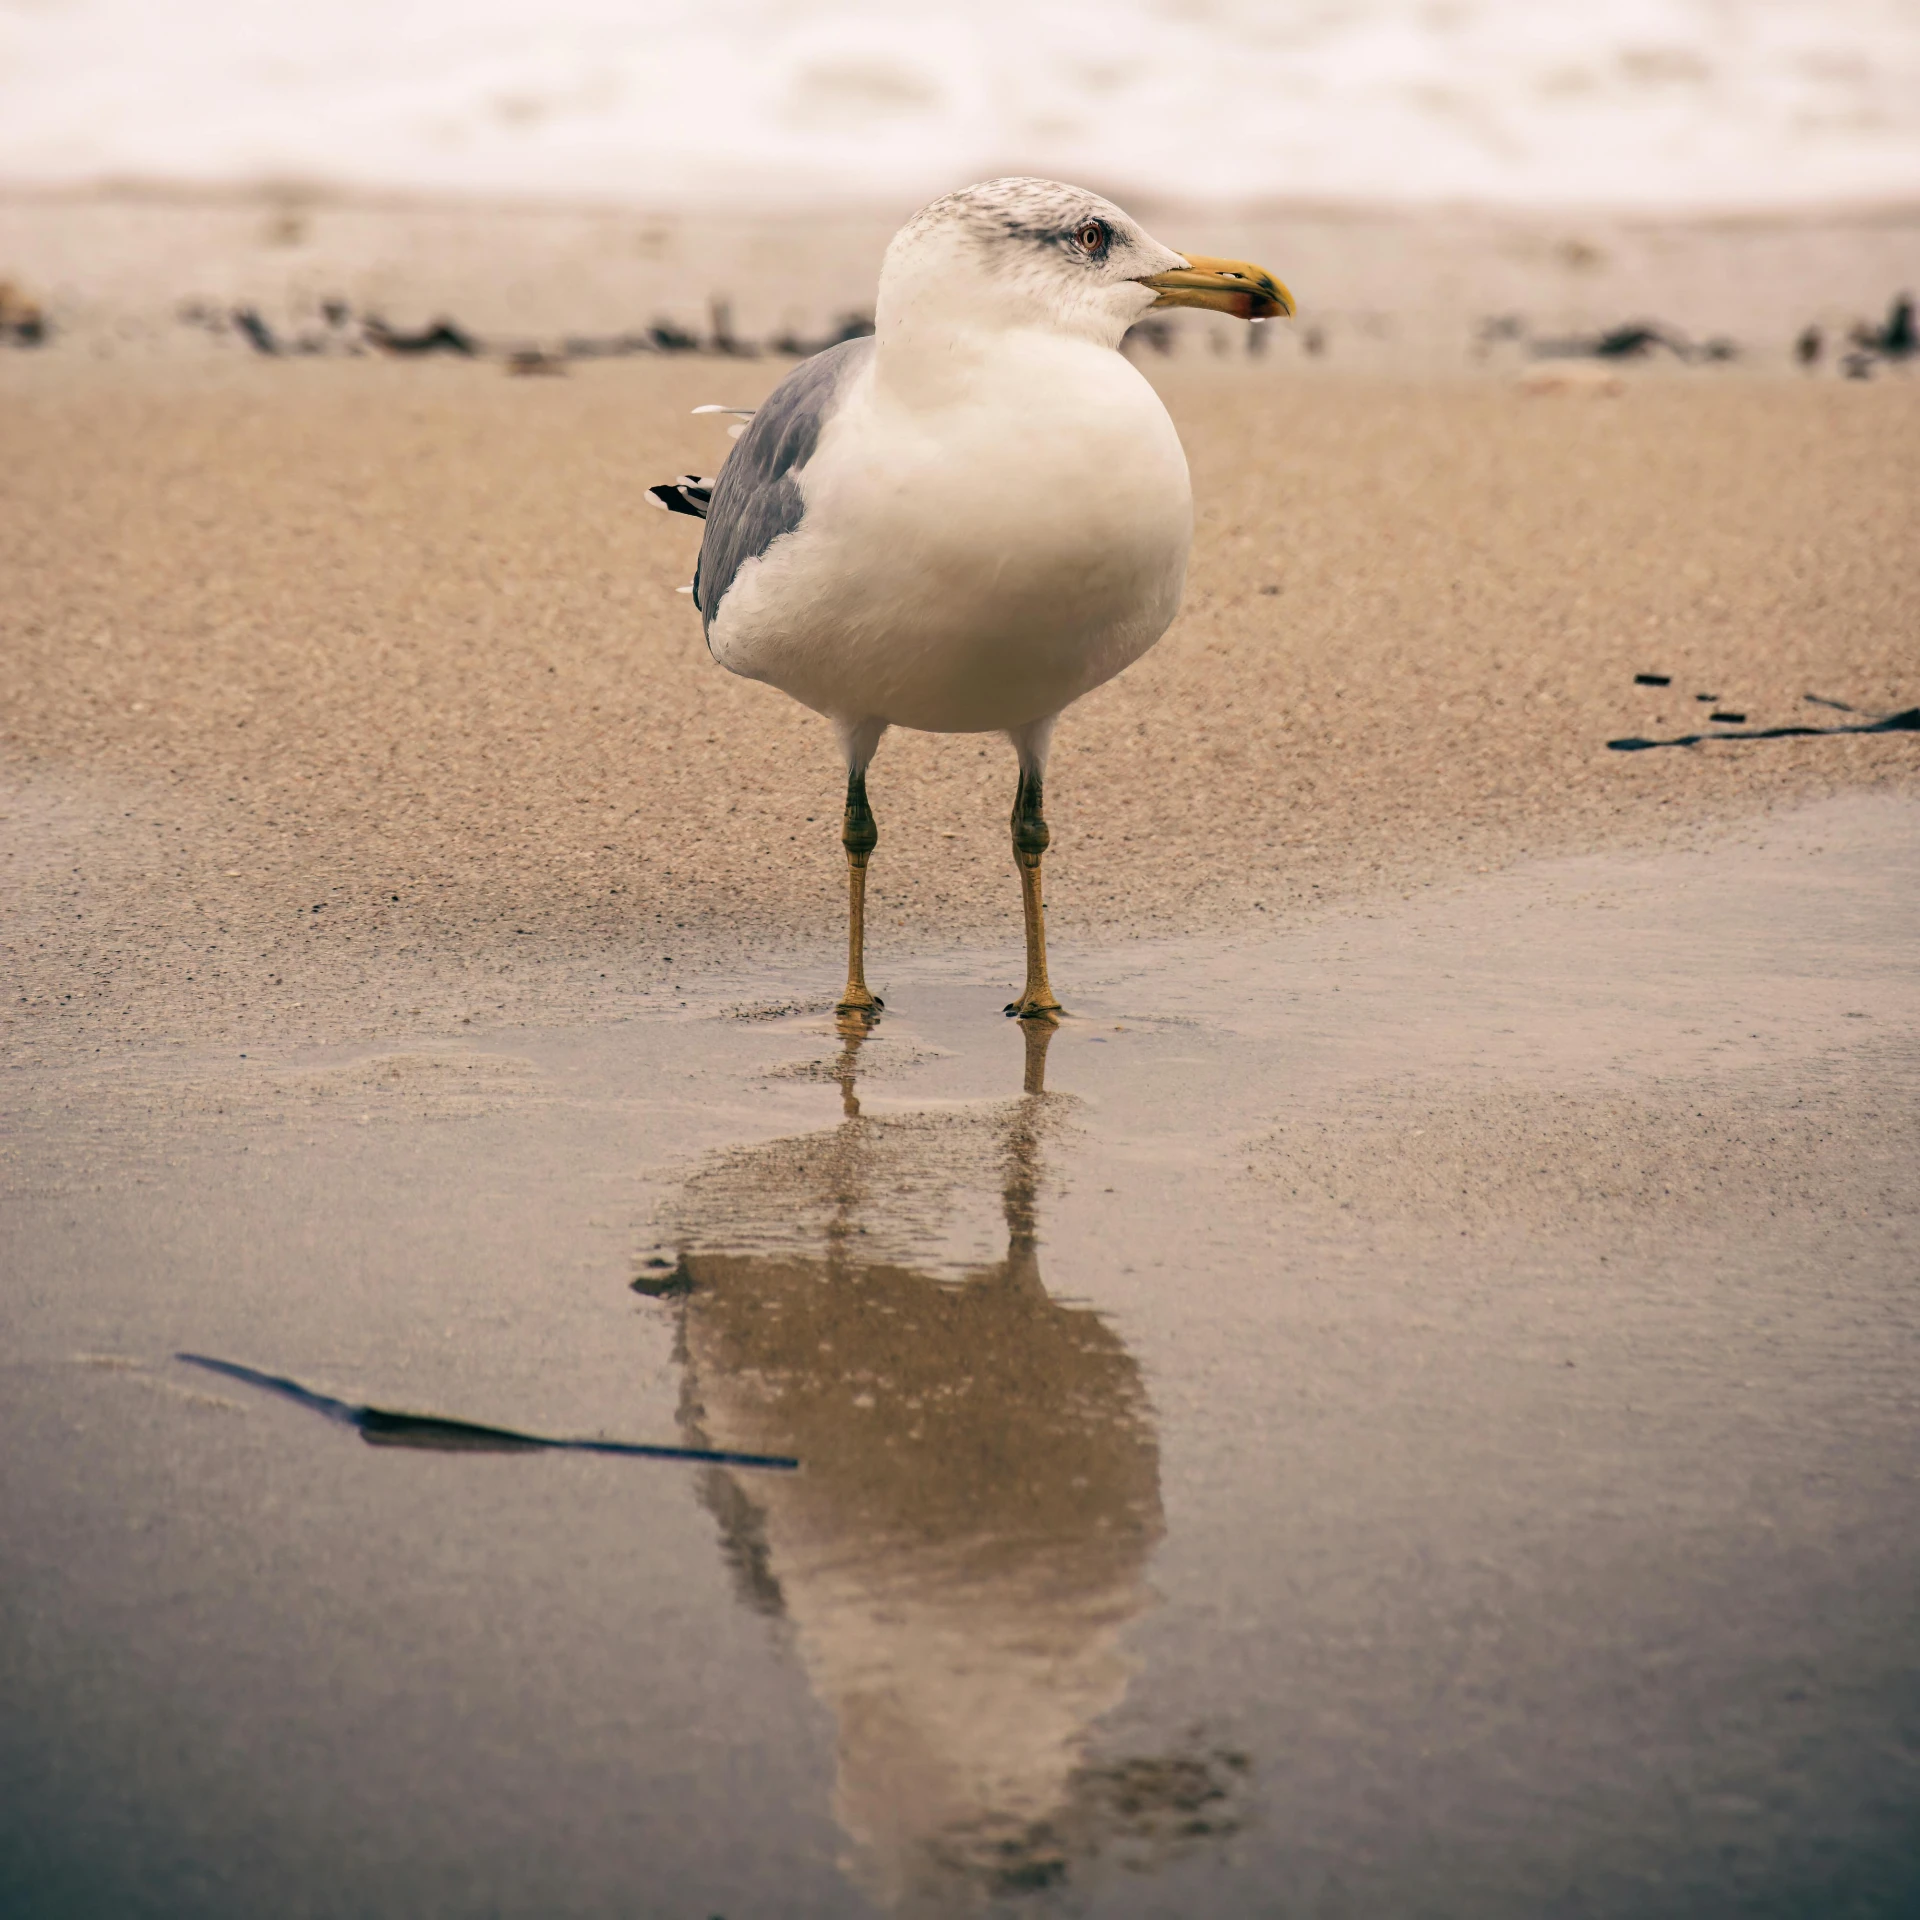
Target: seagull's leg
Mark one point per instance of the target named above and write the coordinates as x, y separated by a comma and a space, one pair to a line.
1030, 838
859, 836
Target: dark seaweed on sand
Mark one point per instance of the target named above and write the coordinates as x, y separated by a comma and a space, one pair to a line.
1905, 721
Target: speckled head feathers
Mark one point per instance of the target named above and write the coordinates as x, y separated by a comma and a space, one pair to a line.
1022, 252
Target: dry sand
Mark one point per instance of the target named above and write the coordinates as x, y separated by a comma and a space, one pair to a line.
347, 696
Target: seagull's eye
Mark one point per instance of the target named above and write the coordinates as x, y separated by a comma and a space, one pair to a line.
1092, 236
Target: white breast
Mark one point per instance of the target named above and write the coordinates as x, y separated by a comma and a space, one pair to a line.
983, 542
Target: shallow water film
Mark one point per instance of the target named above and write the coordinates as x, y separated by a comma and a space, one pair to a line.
1410, 1414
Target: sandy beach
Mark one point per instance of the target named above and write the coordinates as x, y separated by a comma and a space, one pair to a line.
340, 694
1405, 1399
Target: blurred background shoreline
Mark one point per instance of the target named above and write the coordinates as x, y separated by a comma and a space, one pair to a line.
139, 269
1443, 185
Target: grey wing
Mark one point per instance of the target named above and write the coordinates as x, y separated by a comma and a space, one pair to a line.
756, 499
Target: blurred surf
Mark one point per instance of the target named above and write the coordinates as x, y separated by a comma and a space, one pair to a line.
1643, 103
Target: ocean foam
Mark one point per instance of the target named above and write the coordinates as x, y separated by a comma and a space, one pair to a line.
1634, 103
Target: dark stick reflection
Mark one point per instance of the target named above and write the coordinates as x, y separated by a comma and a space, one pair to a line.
981, 1494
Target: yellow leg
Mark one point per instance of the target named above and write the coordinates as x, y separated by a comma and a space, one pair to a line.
1030, 839
859, 835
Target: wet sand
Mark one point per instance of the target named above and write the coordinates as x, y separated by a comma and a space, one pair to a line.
1418, 1413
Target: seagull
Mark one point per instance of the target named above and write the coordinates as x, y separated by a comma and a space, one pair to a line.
971, 518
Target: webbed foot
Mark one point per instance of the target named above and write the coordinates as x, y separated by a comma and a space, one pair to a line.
1031, 1007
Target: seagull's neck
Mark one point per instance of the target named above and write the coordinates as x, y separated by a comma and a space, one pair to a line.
946, 359
955, 365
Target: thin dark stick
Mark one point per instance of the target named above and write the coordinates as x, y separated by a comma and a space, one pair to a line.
381, 1427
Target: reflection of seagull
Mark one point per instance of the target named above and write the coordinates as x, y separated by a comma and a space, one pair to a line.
968, 521
981, 1493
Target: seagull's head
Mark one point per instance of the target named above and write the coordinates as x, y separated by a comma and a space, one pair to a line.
1037, 253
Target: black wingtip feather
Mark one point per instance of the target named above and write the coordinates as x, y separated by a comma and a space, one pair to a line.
685, 495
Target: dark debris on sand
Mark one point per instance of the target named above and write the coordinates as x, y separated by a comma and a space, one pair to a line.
1867, 344
1636, 340
22, 323
1907, 720
438, 336
342, 331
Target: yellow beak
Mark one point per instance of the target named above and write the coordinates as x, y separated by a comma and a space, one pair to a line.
1227, 286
